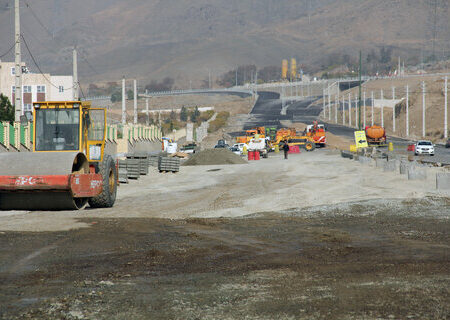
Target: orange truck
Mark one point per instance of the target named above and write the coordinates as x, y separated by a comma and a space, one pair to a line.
375, 135
250, 134
317, 133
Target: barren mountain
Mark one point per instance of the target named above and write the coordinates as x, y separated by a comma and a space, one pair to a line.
185, 38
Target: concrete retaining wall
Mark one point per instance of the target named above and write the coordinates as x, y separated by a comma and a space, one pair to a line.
380, 162
417, 173
443, 181
391, 166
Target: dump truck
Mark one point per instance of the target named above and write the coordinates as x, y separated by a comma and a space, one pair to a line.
67, 168
316, 131
376, 135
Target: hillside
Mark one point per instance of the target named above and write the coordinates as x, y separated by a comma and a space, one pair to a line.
184, 39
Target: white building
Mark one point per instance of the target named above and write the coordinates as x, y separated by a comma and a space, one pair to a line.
35, 86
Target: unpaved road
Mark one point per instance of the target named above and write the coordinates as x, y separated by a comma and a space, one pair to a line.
313, 237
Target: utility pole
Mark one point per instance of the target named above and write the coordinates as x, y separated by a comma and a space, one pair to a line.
124, 108
336, 101
349, 109
76, 90
324, 107
445, 108
359, 96
364, 114
372, 106
135, 102
209, 78
18, 66
423, 109
407, 110
147, 112
236, 77
329, 103
393, 110
382, 109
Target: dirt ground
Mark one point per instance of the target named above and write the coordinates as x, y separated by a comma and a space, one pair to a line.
312, 237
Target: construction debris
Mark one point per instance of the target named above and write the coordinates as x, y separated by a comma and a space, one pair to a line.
214, 157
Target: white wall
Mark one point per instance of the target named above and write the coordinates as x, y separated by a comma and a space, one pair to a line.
66, 82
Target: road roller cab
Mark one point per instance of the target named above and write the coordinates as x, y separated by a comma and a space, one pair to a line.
67, 168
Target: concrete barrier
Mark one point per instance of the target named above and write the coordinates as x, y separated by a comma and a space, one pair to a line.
380, 162
443, 181
404, 165
417, 173
365, 160
390, 166
346, 154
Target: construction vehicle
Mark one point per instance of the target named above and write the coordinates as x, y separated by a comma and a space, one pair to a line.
259, 145
316, 131
250, 134
271, 132
376, 135
290, 135
67, 168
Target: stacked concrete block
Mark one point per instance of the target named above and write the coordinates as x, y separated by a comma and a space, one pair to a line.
133, 168
123, 172
417, 173
169, 164
443, 181
142, 159
153, 160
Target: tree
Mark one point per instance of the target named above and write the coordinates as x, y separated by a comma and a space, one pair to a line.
195, 115
6, 109
130, 94
183, 114
116, 96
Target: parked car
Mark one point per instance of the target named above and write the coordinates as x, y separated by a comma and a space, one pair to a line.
240, 146
221, 146
424, 147
447, 144
235, 150
189, 148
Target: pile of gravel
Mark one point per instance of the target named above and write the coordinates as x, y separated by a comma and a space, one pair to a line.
214, 157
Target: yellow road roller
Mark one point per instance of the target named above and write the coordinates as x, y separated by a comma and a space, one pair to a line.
68, 167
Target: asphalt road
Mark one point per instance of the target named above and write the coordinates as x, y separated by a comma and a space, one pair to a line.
267, 112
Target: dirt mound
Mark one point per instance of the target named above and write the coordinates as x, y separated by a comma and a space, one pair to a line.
213, 157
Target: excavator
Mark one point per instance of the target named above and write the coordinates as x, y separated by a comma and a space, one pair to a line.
67, 168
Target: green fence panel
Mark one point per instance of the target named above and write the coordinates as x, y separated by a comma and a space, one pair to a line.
12, 136
2, 134
22, 135
31, 132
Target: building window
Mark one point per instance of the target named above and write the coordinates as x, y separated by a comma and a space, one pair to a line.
40, 89
27, 107
61, 89
13, 71
26, 89
13, 89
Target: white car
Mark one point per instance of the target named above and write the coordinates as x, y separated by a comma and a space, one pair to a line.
424, 147
240, 146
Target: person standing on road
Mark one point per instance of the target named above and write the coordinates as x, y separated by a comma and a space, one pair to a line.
285, 149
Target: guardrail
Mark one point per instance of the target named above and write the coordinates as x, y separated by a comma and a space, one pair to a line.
19, 137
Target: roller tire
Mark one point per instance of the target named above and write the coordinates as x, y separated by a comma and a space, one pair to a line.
310, 146
107, 197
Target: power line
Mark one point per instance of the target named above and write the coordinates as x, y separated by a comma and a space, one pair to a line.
37, 65
53, 39
9, 50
